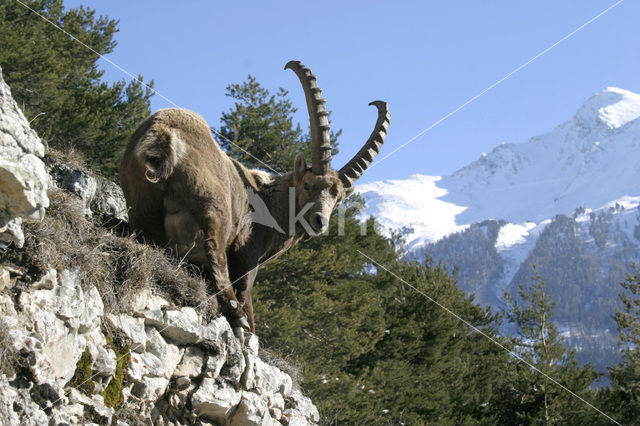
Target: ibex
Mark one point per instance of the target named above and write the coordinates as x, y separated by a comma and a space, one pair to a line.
185, 193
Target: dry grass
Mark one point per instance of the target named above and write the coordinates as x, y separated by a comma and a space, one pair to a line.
117, 266
68, 156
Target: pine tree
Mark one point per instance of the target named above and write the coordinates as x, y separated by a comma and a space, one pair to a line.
57, 83
530, 396
259, 129
624, 398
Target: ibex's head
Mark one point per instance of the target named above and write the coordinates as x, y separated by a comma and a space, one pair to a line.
319, 188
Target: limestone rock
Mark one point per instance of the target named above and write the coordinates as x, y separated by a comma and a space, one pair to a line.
215, 401
210, 378
182, 326
253, 410
132, 328
23, 178
191, 363
100, 197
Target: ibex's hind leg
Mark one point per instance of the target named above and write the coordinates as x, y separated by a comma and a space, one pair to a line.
218, 272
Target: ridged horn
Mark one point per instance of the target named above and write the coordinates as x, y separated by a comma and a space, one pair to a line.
318, 118
359, 163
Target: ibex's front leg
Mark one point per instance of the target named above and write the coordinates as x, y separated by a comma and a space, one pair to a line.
218, 272
243, 273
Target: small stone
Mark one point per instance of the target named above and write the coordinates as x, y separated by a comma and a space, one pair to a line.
146, 300
5, 279
169, 355
276, 413
276, 401
152, 317
150, 388
270, 380
252, 411
251, 342
47, 281
191, 364
182, 326
214, 401
132, 327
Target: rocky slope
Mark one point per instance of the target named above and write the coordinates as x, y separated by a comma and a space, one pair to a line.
73, 353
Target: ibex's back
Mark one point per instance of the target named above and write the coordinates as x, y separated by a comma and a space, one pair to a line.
175, 176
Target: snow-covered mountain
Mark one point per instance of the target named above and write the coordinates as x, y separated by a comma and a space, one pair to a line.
588, 161
567, 201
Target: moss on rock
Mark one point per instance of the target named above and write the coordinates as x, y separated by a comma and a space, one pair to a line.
82, 378
112, 395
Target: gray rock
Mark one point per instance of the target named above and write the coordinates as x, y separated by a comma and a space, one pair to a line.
11, 232
23, 178
215, 364
78, 182
5, 280
252, 411
191, 364
216, 381
14, 124
215, 401
132, 328
270, 380
150, 389
182, 326
302, 406
109, 203
47, 281
100, 197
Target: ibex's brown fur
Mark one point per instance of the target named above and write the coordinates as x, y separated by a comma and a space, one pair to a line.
185, 193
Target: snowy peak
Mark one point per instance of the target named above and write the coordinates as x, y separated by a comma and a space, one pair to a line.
587, 161
612, 108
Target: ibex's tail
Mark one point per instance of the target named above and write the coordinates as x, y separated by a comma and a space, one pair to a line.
159, 150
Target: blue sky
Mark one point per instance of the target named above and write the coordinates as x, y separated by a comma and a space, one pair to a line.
424, 58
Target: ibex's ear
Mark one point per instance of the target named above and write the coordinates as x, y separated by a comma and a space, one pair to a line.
299, 168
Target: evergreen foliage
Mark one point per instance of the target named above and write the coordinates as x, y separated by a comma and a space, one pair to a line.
624, 396
57, 83
530, 396
373, 350
259, 132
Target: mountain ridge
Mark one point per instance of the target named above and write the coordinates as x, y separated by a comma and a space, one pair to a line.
566, 202
550, 174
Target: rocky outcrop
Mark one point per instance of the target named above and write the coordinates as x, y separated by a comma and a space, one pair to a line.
65, 359
100, 197
71, 363
23, 179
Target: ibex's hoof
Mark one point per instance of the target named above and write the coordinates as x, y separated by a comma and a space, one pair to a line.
238, 325
244, 323
239, 333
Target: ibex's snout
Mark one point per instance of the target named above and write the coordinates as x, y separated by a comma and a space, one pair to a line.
319, 222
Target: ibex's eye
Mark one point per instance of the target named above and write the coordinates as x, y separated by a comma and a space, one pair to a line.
307, 186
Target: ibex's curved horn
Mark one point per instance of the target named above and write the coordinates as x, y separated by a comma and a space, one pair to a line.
318, 118
359, 163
